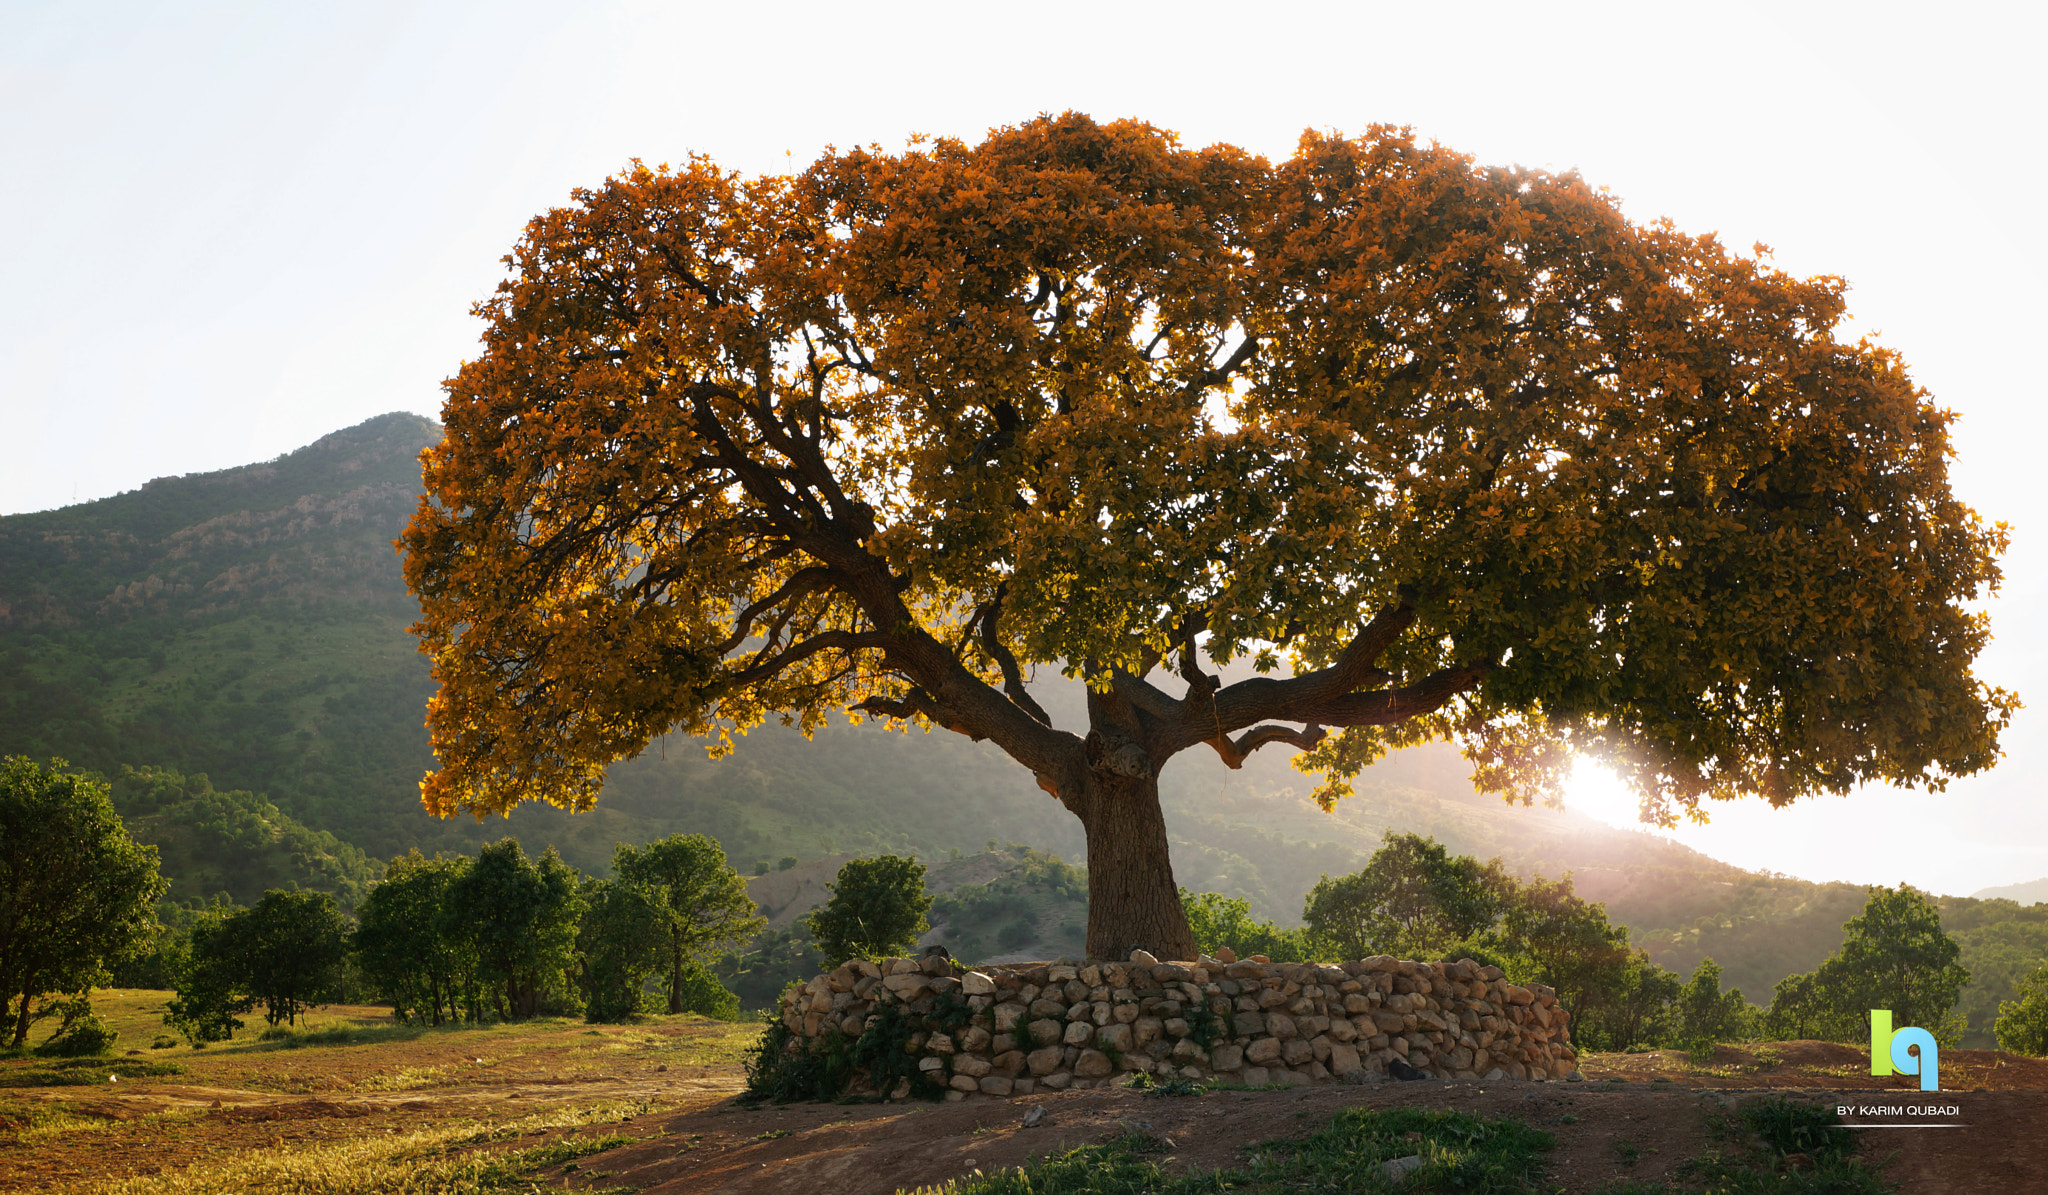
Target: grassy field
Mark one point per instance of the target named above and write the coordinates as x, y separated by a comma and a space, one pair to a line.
349, 1101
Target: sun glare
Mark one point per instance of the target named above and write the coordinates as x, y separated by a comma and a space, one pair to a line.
1599, 794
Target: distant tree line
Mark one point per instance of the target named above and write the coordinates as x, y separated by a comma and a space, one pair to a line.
497, 936
502, 935
1416, 900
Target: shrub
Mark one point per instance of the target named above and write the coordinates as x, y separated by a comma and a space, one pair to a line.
2023, 1023
82, 1033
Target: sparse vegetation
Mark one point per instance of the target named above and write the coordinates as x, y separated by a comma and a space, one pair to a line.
1456, 1151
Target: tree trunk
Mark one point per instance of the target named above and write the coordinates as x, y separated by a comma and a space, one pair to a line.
675, 976
1133, 902
28, 999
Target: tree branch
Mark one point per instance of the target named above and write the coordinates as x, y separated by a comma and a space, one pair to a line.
847, 641
805, 581
1234, 751
1013, 676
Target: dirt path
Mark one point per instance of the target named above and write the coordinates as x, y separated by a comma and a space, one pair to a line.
1604, 1135
1636, 1117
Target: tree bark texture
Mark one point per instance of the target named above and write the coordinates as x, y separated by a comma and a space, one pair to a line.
1133, 902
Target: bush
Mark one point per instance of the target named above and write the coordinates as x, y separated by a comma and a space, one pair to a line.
82, 1033
2023, 1023
1016, 934
704, 995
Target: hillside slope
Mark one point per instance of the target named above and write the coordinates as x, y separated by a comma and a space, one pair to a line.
249, 626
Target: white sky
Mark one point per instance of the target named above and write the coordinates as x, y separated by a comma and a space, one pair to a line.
232, 228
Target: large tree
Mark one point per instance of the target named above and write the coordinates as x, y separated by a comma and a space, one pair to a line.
1447, 451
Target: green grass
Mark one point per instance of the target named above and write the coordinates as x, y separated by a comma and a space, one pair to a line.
83, 1072
1763, 1148
284, 1037
1459, 1153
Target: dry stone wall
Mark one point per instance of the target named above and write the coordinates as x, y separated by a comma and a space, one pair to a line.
1023, 1028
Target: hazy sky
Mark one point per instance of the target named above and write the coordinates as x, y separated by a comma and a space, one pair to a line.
232, 228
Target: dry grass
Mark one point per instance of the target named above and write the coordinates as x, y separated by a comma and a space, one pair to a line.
420, 1097
445, 1160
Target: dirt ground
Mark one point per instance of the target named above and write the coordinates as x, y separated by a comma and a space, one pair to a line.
1635, 1117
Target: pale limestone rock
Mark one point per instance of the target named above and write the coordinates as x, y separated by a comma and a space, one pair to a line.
974, 983
1343, 1059
1092, 1064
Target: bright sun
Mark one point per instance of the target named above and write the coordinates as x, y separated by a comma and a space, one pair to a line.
1600, 795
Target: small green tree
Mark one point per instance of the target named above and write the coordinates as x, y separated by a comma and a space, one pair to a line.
293, 947
1706, 1015
1636, 1011
878, 908
1413, 899
1894, 955
404, 944
517, 917
1553, 937
1799, 1011
211, 991
699, 902
2023, 1023
621, 942
1219, 921
76, 893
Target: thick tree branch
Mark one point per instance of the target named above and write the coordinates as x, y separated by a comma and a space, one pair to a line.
1013, 676
1265, 699
1385, 707
1235, 750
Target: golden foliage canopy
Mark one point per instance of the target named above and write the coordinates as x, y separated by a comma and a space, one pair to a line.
1460, 448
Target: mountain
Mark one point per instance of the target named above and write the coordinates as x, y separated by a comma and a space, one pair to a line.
2033, 892
239, 639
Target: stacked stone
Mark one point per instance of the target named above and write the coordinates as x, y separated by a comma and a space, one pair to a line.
1071, 1025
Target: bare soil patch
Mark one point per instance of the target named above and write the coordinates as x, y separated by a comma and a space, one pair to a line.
1636, 1117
